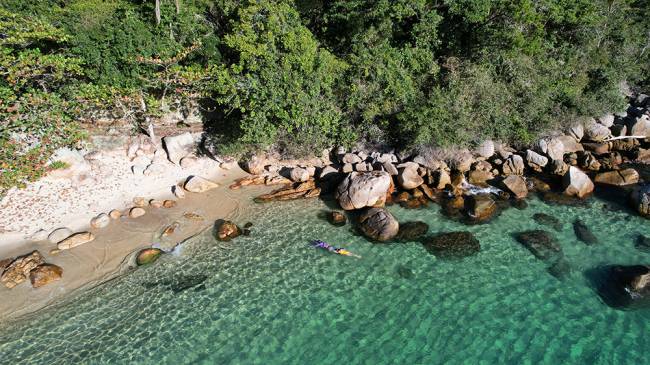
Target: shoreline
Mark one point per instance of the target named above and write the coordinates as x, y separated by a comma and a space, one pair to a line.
112, 253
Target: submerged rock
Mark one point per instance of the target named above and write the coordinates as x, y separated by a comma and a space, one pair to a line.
405, 272
412, 231
378, 224
561, 269
640, 199
541, 244
148, 256
642, 243
547, 220
45, 274
452, 245
583, 233
623, 287
227, 230
180, 283
337, 218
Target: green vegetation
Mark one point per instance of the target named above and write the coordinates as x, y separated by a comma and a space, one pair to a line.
301, 75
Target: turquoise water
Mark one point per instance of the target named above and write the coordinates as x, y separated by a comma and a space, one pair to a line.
270, 299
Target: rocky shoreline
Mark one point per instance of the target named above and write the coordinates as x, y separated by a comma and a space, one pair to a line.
600, 155
471, 186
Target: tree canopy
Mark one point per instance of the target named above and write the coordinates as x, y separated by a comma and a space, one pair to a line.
304, 74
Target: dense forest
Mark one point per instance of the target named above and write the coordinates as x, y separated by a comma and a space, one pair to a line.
305, 74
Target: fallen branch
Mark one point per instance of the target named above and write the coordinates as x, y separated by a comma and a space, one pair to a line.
623, 137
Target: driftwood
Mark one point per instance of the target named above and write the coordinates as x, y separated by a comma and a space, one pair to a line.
623, 137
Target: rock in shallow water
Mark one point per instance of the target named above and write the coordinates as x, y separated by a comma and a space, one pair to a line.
622, 287
452, 245
642, 243
547, 220
337, 218
378, 224
227, 230
148, 256
411, 231
541, 244
583, 233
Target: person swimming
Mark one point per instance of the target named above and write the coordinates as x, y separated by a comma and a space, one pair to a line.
330, 248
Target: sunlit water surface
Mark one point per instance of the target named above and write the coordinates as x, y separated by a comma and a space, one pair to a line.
271, 299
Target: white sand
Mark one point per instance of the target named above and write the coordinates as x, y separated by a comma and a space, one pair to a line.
72, 197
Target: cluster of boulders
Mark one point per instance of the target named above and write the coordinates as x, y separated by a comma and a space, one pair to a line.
474, 185
561, 166
150, 156
14, 271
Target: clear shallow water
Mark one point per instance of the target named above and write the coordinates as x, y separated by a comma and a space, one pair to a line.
271, 299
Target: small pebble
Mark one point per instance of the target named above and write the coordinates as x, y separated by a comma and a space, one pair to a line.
115, 214
139, 201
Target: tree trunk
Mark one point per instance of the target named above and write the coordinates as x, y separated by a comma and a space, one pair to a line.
157, 10
178, 6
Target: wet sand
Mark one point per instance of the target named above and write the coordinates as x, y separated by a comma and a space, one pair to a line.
112, 252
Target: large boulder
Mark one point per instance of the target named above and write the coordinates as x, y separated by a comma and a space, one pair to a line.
551, 147
596, 132
516, 185
254, 164
485, 149
452, 245
618, 177
576, 131
178, 146
624, 287
197, 184
481, 208
640, 126
45, 274
640, 200
577, 183
363, 189
18, 270
514, 165
541, 244
298, 174
462, 162
570, 144
535, 160
378, 224
408, 177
